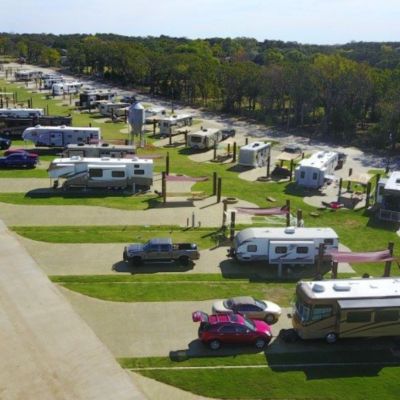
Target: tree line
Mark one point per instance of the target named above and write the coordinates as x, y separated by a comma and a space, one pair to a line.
348, 93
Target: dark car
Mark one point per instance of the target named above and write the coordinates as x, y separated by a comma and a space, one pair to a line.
292, 148
18, 160
230, 328
342, 157
20, 151
227, 133
4, 143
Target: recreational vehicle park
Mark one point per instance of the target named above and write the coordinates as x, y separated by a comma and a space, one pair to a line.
228, 186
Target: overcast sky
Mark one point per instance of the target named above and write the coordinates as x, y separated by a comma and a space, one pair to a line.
305, 21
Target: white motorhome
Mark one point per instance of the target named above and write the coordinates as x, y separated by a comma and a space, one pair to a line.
204, 139
102, 172
388, 197
61, 136
108, 109
99, 150
255, 154
283, 245
27, 75
49, 80
347, 308
153, 113
312, 172
66, 88
91, 97
168, 125
21, 112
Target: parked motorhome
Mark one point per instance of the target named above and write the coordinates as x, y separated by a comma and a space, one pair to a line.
99, 150
204, 139
388, 197
21, 112
255, 154
102, 172
168, 125
61, 136
49, 80
282, 245
347, 308
66, 88
108, 109
153, 113
27, 75
91, 97
314, 171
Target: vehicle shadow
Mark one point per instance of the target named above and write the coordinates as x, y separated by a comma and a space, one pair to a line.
151, 268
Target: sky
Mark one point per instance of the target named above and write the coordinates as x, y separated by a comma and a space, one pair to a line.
303, 21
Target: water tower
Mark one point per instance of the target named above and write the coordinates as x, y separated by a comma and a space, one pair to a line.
136, 119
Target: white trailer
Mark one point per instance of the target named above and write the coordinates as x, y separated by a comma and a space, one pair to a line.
99, 150
105, 172
27, 75
61, 136
283, 245
108, 109
21, 112
153, 113
168, 125
204, 139
91, 97
388, 197
49, 80
312, 172
255, 154
66, 88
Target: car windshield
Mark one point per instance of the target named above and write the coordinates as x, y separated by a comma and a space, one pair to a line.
303, 310
249, 324
228, 303
260, 304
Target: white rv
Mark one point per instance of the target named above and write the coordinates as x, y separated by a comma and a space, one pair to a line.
255, 154
102, 172
204, 139
168, 125
61, 136
108, 109
49, 80
388, 197
66, 88
91, 97
312, 172
347, 308
27, 75
283, 245
21, 112
153, 113
99, 150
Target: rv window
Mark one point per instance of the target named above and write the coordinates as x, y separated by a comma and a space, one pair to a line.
358, 316
314, 176
381, 190
118, 174
95, 173
252, 248
139, 172
302, 250
386, 315
195, 139
321, 312
136, 166
281, 250
328, 242
302, 174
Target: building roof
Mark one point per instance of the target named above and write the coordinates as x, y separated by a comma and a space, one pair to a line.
393, 182
319, 159
204, 132
100, 161
255, 146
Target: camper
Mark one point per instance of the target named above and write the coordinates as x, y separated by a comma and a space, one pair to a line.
105, 172
49, 80
90, 97
347, 308
99, 150
154, 113
255, 154
66, 88
21, 112
204, 139
108, 109
282, 245
388, 197
314, 171
27, 75
61, 136
169, 125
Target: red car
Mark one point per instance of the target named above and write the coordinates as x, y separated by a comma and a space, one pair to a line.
217, 329
13, 151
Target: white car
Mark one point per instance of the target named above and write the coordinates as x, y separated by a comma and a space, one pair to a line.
249, 308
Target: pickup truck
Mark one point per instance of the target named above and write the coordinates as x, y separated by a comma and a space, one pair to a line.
18, 160
161, 249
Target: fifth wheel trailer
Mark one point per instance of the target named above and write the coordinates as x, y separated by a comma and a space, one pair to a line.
99, 150
204, 139
255, 154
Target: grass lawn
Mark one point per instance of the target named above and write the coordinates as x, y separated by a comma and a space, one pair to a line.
23, 173
173, 287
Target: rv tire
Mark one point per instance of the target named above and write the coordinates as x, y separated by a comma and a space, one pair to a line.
214, 344
331, 337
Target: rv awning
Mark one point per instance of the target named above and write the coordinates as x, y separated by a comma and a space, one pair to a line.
288, 156
363, 179
182, 178
349, 257
106, 166
369, 303
263, 211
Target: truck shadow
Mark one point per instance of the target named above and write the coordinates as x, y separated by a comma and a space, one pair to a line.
150, 268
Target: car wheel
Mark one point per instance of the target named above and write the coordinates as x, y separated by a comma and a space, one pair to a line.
184, 260
136, 261
331, 337
270, 319
260, 343
214, 344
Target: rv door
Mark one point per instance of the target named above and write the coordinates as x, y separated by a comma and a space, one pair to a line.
291, 252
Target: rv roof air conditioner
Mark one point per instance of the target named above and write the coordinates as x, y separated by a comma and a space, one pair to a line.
256, 144
318, 288
105, 158
341, 287
290, 230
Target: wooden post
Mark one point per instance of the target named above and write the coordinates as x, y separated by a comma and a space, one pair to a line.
368, 194
233, 220
170, 137
247, 140
388, 264
31, 105
320, 260
167, 164
186, 140
47, 109
299, 218
340, 190
229, 149
378, 178
214, 183
291, 171
288, 213
302, 156
154, 127
219, 190
215, 151
269, 166
164, 186
334, 269
225, 210
234, 152
6, 102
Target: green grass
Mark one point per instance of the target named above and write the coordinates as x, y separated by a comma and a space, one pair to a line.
173, 288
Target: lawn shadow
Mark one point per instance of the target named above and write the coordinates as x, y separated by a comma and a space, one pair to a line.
295, 190
376, 223
91, 192
239, 168
151, 267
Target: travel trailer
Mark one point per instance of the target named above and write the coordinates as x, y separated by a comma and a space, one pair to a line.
168, 125
347, 308
99, 150
105, 172
255, 154
49, 80
204, 139
61, 136
21, 112
66, 88
153, 113
91, 97
108, 109
27, 75
388, 197
282, 245
314, 171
